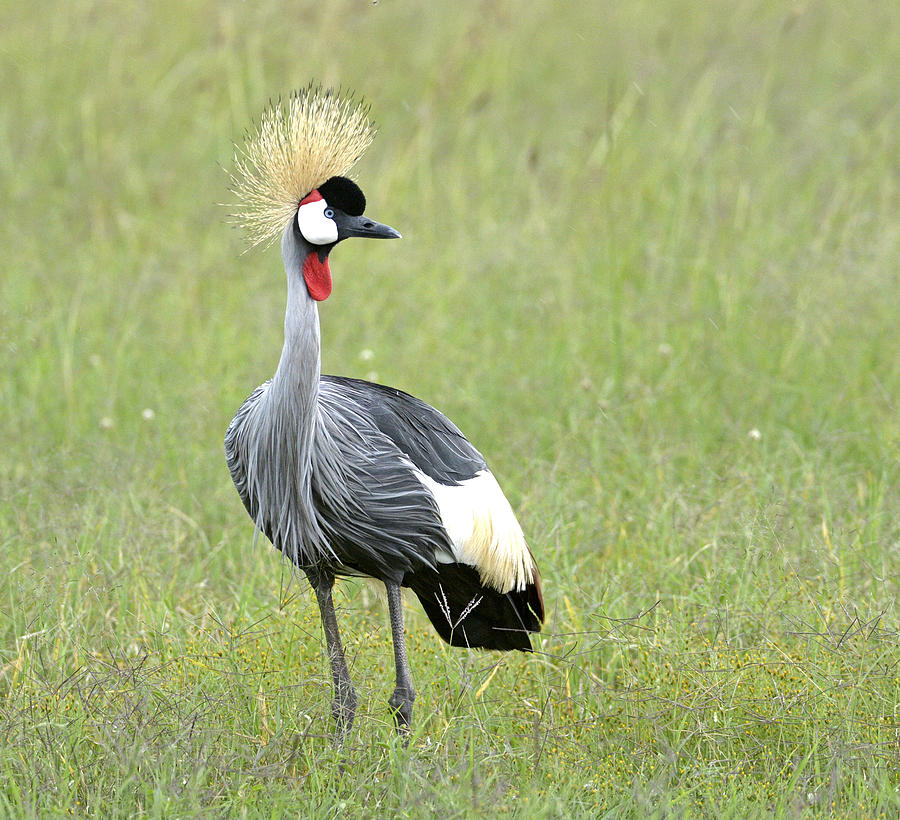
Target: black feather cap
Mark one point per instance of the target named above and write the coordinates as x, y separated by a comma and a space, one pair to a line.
343, 193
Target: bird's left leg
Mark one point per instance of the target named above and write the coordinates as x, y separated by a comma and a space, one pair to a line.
401, 701
344, 706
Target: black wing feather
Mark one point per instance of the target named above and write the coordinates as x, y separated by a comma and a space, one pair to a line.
426, 436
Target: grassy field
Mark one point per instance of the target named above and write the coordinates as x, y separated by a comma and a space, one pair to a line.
650, 266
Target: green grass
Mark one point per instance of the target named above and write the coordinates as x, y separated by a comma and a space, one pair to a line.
634, 234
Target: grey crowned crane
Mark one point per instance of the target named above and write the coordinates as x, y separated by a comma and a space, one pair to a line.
347, 477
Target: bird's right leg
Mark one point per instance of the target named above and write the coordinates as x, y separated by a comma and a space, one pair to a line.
344, 705
403, 697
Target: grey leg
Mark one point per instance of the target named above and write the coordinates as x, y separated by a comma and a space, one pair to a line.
344, 705
401, 701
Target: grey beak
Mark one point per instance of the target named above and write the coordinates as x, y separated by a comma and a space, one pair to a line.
363, 226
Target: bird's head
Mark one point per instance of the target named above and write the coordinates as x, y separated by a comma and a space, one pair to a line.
290, 179
328, 215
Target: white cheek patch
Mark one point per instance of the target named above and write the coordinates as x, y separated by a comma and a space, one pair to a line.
316, 228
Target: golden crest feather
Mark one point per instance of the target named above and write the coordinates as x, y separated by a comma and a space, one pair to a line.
296, 147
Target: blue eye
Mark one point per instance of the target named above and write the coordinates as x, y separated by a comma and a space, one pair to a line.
329, 212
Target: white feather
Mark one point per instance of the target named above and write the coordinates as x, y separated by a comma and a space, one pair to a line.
484, 531
316, 228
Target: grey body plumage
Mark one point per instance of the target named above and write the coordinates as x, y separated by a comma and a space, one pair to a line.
347, 477
322, 478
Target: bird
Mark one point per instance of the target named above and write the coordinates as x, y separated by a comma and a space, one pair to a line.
348, 477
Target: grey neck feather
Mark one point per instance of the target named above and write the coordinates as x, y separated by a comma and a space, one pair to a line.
289, 419
295, 386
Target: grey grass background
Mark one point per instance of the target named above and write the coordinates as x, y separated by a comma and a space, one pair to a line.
650, 267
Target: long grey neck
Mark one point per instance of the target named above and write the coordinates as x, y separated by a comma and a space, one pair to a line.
288, 419
295, 385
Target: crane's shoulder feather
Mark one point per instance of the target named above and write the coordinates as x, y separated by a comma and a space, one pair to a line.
432, 442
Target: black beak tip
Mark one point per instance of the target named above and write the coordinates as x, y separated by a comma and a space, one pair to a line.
364, 227
375, 230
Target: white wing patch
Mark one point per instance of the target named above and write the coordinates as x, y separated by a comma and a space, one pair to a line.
484, 531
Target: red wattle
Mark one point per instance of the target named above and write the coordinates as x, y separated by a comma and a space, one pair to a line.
317, 276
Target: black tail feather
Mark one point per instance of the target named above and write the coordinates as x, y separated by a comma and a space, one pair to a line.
466, 613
